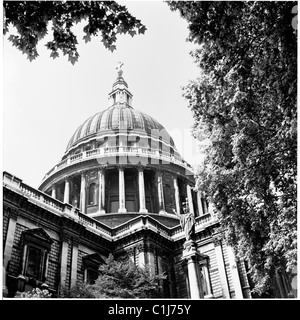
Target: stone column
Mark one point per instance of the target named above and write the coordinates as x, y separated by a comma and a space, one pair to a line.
83, 193
54, 191
221, 267
74, 261
67, 191
199, 203
206, 277
160, 188
191, 256
151, 259
142, 190
122, 207
177, 198
101, 201
235, 274
64, 259
13, 217
190, 198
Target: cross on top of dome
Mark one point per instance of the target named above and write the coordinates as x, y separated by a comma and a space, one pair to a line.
119, 66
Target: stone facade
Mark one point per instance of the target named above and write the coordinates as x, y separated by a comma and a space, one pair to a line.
143, 238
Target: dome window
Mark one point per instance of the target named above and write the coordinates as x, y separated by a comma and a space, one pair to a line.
92, 194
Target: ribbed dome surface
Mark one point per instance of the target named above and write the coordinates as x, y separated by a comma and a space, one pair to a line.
117, 118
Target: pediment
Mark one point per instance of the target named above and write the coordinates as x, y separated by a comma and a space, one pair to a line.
37, 234
94, 258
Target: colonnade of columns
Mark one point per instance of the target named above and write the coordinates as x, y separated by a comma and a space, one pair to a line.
141, 192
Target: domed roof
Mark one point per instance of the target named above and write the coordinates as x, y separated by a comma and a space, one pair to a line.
120, 116
115, 118
118, 133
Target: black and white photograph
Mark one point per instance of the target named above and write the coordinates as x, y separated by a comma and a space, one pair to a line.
149, 153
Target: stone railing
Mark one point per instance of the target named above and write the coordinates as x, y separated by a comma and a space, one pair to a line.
200, 222
140, 222
55, 206
119, 151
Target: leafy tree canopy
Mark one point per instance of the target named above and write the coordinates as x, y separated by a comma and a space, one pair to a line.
31, 20
123, 279
244, 104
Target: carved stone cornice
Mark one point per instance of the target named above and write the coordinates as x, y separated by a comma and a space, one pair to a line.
65, 236
11, 211
75, 241
217, 240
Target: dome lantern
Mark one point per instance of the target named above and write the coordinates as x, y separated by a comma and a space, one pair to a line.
120, 95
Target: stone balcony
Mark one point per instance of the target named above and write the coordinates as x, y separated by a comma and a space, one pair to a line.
112, 153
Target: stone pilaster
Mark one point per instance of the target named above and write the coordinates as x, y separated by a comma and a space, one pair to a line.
204, 266
160, 189
235, 275
63, 259
192, 256
221, 266
199, 203
142, 190
83, 193
122, 208
190, 198
13, 217
141, 255
74, 264
177, 197
101, 174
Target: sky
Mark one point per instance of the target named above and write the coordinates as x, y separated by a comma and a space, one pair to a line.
44, 101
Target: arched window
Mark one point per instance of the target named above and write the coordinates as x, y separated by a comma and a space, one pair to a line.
92, 195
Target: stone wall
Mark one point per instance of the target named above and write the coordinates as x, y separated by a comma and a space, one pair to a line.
15, 261
5, 221
53, 265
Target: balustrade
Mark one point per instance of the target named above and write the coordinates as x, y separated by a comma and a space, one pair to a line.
114, 150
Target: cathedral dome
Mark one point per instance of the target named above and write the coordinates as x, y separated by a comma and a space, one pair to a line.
118, 118
120, 160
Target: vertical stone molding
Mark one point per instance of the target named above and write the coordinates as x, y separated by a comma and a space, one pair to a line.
13, 217
54, 191
191, 256
141, 255
160, 189
142, 190
74, 261
122, 208
199, 203
204, 265
221, 267
83, 193
235, 274
151, 260
177, 198
190, 198
8, 246
101, 175
67, 191
64, 258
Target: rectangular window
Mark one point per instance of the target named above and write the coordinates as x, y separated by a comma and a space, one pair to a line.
114, 206
130, 206
91, 276
34, 262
